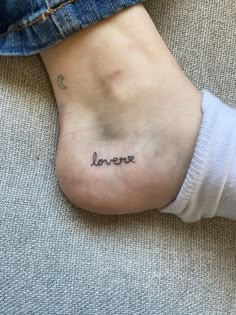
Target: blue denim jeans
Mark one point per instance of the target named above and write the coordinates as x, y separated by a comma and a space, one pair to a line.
29, 26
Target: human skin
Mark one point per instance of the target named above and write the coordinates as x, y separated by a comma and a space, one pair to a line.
121, 95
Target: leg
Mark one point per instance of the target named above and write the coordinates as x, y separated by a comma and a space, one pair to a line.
120, 93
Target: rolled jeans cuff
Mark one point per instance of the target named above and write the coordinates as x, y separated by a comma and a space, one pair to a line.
45, 23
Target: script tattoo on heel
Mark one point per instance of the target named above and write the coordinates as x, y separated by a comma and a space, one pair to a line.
114, 161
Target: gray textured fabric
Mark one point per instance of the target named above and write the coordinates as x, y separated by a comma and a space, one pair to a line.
56, 259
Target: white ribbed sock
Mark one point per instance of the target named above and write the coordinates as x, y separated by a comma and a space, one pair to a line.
209, 188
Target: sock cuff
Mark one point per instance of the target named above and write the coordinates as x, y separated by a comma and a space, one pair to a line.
206, 181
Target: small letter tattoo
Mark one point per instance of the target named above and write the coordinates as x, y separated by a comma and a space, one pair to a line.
115, 160
60, 83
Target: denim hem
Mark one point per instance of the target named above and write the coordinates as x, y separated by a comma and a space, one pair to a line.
42, 16
58, 21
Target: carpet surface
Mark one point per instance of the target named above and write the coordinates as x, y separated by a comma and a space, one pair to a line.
57, 259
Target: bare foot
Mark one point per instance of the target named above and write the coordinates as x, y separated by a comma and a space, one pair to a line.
129, 117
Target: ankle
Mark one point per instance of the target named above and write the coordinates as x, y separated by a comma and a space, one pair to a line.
113, 58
